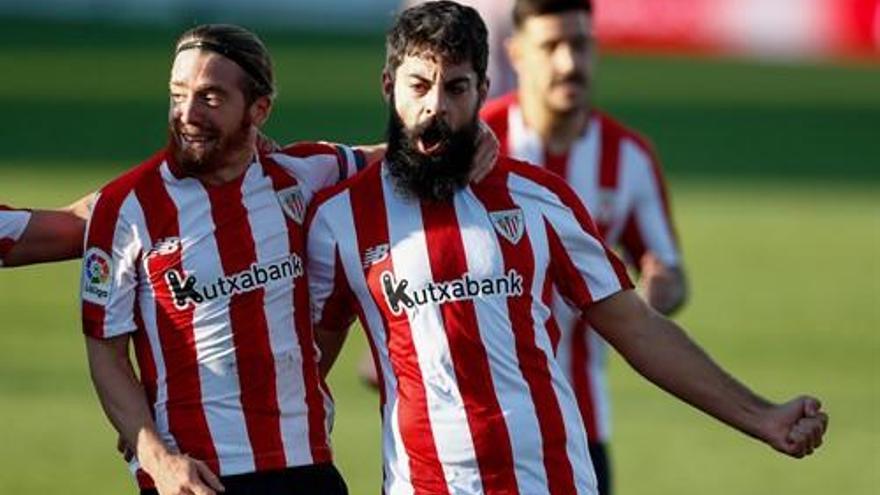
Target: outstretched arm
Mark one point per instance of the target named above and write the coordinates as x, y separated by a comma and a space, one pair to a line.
52, 235
661, 351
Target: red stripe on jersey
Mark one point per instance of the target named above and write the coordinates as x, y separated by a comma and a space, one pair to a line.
495, 114
569, 198
318, 442
306, 149
250, 331
564, 273
102, 227
557, 163
660, 182
632, 240
532, 360
426, 471
551, 324
144, 355
580, 377
609, 159
470, 360
186, 414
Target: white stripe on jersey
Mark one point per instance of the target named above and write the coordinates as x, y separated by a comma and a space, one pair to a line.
477, 230
215, 349
328, 239
445, 405
269, 225
653, 223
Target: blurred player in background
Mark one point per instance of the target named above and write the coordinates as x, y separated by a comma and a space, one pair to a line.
551, 121
496, 15
449, 281
41, 236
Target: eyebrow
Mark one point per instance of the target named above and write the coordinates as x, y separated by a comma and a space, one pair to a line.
213, 88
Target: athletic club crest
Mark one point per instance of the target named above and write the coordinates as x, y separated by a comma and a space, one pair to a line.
293, 202
509, 224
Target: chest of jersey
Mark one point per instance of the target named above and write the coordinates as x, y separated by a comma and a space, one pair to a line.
212, 249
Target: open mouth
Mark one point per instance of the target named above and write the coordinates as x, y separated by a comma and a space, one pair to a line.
431, 141
197, 139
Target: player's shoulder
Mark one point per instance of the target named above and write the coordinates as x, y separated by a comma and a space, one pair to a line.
371, 173
123, 185
621, 131
495, 111
306, 149
532, 173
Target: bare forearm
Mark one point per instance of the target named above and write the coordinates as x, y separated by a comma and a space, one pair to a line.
330, 344
50, 236
124, 400
661, 351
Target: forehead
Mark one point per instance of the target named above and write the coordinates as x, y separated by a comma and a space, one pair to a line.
573, 23
434, 67
202, 68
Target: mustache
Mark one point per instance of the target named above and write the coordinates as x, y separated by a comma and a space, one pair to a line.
575, 78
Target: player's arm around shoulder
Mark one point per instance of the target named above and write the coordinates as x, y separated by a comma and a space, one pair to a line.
51, 235
663, 353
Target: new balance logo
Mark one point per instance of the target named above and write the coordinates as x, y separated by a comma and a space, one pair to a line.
465, 288
376, 254
186, 293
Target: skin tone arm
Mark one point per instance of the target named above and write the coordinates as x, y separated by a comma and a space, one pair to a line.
663, 286
661, 351
52, 235
125, 404
330, 343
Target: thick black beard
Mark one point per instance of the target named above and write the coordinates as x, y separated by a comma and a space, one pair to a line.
213, 159
431, 178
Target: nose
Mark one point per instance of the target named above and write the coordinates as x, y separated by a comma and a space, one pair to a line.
565, 59
187, 111
435, 102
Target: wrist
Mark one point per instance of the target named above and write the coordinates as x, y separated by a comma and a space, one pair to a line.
152, 453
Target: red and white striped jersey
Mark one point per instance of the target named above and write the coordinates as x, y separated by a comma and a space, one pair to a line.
455, 301
210, 280
617, 175
12, 225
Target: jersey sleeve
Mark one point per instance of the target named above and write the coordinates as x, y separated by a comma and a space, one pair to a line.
320, 165
109, 271
13, 223
649, 228
582, 268
332, 297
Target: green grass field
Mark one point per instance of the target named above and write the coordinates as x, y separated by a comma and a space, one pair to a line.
776, 188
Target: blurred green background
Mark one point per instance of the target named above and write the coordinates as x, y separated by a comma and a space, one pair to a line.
776, 190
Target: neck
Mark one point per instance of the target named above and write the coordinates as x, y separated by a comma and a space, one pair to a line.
558, 131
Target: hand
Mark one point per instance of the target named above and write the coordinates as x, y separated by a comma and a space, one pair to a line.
663, 287
180, 474
796, 427
488, 148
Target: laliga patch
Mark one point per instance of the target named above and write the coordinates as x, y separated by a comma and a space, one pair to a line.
510, 224
293, 202
97, 276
